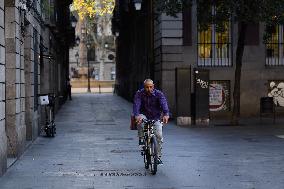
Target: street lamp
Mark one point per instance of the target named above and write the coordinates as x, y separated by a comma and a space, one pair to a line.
77, 39
88, 48
77, 57
137, 4
73, 21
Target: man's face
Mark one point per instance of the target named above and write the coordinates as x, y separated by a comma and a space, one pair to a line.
149, 87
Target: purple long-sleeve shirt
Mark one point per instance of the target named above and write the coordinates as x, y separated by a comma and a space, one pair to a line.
152, 106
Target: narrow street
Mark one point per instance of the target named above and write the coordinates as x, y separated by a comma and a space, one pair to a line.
94, 148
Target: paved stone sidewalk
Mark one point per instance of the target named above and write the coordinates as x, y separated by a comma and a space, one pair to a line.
94, 148
93, 90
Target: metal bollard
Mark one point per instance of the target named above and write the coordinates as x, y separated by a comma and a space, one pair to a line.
113, 88
100, 89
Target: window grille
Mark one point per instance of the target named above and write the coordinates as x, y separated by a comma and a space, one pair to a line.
214, 46
274, 47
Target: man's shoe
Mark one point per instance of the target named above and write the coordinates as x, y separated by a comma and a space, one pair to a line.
159, 161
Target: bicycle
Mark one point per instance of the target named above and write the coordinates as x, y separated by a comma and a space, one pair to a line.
149, 150
49, 102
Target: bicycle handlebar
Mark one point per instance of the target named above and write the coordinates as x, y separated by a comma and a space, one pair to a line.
150, 121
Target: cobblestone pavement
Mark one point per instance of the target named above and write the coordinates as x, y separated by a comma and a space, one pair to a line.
94, 148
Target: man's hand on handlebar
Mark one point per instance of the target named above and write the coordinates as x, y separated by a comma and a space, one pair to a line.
138, 120
165, 119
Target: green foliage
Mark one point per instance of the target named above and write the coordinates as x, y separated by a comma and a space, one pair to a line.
170, 7
270, 12
247, 11
272, 16
46, 8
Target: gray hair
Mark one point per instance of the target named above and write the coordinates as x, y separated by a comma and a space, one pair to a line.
148, 81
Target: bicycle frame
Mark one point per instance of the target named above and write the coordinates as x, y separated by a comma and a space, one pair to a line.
149, 131
49, 127
150, 149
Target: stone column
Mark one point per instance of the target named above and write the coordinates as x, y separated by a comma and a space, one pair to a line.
169, 54
21, 91
15, 124
3, 138
29, 59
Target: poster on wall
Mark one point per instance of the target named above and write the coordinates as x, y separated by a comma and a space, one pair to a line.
276, 90
219, 96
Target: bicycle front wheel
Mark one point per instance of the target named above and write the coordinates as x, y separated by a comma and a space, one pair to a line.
52, 130
146, 159
153, 155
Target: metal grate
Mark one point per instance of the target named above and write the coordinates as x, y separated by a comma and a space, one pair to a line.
214, 45
274, 52
214, 48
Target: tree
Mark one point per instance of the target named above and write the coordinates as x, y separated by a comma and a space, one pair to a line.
92, 8
170, 7
95, 16
243, 12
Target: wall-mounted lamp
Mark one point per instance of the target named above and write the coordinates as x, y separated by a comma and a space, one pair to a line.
88, 45
137, 4
46, 56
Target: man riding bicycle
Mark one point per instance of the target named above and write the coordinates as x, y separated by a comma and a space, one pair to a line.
151, 103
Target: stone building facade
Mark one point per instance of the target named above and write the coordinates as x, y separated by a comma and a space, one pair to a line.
34, 61
15, 79
108, 67
171, 43
100, 54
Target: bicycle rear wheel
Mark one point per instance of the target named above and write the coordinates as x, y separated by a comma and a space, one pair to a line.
153, 155
47, 130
